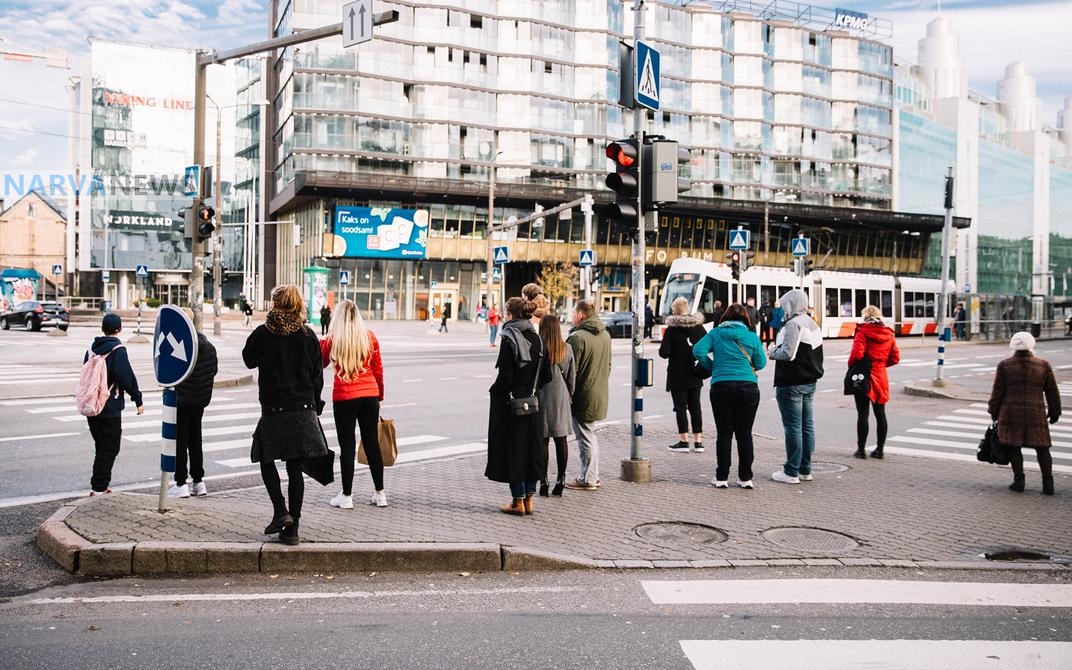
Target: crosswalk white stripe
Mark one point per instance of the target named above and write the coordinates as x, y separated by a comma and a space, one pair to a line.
976, 430
855, 591
971, 446
207, 419
970, 432
245, 442
966, 419
974, 412
891, 654
403, 456
151, 411
950, 456
36, 437
36, 401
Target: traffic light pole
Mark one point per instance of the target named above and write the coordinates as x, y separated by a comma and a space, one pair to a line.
217, 237
637, 468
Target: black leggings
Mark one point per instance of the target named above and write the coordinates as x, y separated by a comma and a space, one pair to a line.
862, 401
561, 456
1016, 460
365, 413
687, 400
295, 487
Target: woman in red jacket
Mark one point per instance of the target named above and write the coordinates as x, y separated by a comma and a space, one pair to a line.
873, 340
353, 351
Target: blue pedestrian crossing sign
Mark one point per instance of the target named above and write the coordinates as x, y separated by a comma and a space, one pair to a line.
344, 277
57, 269
588, 258
801, 246
174, 346
646, 76
142, 271
501, 255
740, 239
496, 274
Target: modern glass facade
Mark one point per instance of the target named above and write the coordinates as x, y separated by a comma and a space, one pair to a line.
1060, 231
1005, 230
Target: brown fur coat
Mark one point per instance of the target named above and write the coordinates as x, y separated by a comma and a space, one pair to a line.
1024, 396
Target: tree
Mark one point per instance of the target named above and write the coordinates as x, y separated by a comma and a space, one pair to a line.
557, 281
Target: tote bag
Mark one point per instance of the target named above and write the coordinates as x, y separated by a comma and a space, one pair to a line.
385, 429
858, 377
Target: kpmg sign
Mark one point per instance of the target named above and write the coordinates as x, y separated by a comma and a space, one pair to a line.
381, 232
846, 18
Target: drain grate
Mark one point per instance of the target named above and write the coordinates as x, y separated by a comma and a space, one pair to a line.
827, 468
1016, 555
680, 533
810, 539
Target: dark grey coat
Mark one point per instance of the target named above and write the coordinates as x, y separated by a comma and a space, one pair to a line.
555, 416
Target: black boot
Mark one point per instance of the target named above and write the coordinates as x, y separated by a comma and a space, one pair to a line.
543, 489
289, 535
1047, 485
877, 452
1017, 483
860, 453
560, 484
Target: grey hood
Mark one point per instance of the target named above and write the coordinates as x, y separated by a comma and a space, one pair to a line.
794, 302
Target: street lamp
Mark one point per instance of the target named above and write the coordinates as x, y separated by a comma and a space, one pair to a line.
777, 195
491, 224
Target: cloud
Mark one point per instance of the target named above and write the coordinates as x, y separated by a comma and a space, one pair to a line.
26, 159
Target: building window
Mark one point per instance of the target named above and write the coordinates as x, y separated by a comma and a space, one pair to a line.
476, 21
31, 210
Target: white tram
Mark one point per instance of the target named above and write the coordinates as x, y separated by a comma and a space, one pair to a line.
908, 303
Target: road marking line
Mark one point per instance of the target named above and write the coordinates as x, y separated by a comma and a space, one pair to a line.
211, 416
924, 453
961, 445
403, 457
36, 437
851, 654
855, 592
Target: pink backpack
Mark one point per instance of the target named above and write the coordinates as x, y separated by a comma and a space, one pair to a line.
92, 393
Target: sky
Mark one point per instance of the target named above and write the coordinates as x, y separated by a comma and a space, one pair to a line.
33, 99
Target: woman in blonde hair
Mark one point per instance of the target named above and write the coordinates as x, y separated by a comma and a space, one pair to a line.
873, 340
290, 380
354, 353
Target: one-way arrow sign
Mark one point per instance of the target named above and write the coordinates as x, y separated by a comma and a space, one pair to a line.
356, 22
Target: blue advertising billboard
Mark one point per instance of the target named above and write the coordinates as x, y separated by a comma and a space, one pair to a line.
381, 232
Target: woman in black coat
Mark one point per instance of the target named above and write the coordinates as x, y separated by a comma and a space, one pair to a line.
290, 380
682, 331
515, 455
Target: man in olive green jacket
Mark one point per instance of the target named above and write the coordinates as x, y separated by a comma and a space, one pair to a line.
590, 342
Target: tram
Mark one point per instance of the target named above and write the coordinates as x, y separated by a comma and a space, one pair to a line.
908, 303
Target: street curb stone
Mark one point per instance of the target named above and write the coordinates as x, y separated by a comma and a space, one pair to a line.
362, 557
522, 558
114, 559
58, 541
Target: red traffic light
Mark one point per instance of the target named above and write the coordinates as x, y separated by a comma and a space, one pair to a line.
206, 213
735, 257
623, 153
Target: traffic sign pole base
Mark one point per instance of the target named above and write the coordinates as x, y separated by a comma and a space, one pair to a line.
56, 332
162, 506
138, 339
636, 470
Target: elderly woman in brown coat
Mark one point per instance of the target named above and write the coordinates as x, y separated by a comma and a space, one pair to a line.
1024, 395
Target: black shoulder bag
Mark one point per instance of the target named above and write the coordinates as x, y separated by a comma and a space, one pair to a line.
858, 377
529, 404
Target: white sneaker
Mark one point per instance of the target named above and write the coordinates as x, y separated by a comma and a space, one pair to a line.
720, 483
780, 476
379, 499
805, 478
342, 501
176, 491
200, 489
745, 485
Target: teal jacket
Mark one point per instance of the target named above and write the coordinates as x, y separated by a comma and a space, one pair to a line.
730, 363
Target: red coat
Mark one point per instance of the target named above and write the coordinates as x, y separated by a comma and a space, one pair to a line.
877, 343
368, 384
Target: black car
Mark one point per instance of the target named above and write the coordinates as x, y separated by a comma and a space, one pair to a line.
34, 315
619, 324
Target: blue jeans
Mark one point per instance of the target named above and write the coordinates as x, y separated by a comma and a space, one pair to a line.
522, 489
794, 402
494, 334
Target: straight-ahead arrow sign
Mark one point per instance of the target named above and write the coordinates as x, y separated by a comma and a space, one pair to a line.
356, 22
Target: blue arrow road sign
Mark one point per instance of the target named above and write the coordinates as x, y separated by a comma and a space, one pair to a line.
801, 246
588, 258
502, 255
142, 271
174, 346
740, 239
646, 71
344, 277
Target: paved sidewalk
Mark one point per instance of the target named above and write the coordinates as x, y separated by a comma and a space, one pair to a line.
443, 515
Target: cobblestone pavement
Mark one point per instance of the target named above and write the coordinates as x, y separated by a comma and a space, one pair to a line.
899, 511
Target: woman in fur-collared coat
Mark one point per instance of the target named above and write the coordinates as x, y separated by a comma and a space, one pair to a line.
1024, 396
683, 330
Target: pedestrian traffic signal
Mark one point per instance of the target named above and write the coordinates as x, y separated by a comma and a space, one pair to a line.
223, 274
205, 226
735, 265
795, 265
624, 214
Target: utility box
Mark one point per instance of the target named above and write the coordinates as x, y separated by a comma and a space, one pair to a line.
645, 372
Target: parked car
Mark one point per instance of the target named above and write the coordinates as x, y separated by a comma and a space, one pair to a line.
34, 315
619, 324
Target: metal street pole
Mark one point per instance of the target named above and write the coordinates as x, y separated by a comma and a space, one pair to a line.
943, 296
197, 276
586, 207
492, 175
217, 237
766, 230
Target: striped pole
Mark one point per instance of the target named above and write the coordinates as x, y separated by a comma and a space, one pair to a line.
943, 337
167, 447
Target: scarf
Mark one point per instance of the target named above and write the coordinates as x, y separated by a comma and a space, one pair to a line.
283, 323
513, 331
875, 320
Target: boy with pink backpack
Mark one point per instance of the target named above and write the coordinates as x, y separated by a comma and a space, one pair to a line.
105, 414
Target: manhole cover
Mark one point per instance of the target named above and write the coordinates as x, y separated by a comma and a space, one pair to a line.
679, 532
828, 467
810, 539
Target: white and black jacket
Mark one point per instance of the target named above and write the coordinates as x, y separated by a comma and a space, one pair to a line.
799, 352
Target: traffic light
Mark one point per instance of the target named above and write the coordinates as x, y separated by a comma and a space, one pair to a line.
223, 274
205, 215
625, 212
662, 181
746, 260
795, 265
807, 265
735, 265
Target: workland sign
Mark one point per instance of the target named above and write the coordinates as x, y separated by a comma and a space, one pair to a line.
381, 232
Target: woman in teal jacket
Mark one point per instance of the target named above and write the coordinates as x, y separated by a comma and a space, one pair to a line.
733, 353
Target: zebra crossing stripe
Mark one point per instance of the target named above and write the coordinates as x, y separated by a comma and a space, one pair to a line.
962, 445
403, 456
853, 654
945, 455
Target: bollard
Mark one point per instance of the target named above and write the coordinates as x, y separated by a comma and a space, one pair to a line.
167, 448
943, 337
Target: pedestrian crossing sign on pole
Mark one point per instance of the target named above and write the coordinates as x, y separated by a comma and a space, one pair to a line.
501, 255
344, 277
740, 239
646, 71
588, 258
801, 246
142, 271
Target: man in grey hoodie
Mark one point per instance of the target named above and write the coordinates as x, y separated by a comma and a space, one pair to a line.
798, 357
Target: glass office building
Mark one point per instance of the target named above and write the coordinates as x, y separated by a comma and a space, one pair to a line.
784, 115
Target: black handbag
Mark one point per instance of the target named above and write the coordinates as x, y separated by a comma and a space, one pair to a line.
858, 377
529, 404
990, 449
